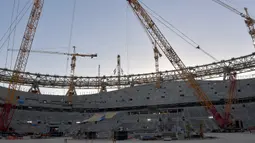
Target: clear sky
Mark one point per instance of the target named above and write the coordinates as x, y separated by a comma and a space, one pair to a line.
109, 28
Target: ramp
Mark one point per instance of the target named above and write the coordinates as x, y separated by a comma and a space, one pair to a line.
96, 117
109, 115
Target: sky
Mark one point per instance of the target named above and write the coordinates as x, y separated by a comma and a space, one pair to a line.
109, 28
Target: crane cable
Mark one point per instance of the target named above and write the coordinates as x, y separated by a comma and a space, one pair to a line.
70, 38
71, 34
126, 42
8, 43
229, 7
17, 22
168, 25
14, 34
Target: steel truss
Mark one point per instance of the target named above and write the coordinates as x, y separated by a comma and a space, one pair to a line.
208, 71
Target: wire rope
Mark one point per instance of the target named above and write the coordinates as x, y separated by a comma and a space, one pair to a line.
16, 19
13, 28
126, 44
14, 34
71, 34
8, 43
171, 27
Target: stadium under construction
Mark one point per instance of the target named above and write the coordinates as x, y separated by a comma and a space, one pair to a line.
178, 104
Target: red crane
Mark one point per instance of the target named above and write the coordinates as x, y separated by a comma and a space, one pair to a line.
172, 56
20, 65
231, 94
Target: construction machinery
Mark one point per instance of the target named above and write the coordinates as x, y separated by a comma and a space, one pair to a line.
231, 125
20, 65
71, 91
172, 56
118, 70
157, 54
248, 20
99, 81
231, 94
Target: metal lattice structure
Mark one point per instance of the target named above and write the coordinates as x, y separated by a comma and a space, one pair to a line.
20, 65
208, 71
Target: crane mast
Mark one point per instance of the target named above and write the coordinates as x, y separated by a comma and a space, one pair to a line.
119, 70
231, 94
156, 57
71, 91
250, 24
20, 65
177, 63
98, 78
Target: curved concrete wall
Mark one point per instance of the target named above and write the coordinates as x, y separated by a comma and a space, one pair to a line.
193, 115
169, 93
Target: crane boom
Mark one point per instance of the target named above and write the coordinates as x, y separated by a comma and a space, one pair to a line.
229, 7
177, 63
231, 94
250, 22
71, 90
20, 64
60, 53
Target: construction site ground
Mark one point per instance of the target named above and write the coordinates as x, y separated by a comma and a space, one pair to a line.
221, 138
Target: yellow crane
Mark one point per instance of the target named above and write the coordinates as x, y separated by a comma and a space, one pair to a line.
71, 91
20, 65
248, 20
172, 56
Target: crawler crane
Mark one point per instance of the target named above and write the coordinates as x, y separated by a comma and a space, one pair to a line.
172, 56
20, 65
230, 123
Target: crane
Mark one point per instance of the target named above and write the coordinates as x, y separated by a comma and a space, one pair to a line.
172, 56
119, 70
248, 20
157, 54
231, 94
71, 91
20, 65
99, 81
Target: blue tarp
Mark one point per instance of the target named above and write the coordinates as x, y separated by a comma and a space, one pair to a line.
20, 101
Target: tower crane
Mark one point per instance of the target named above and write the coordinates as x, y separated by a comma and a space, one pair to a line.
20, 65
157, 54
71, 91
172, 56
248, 20
119, 70
99, 81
